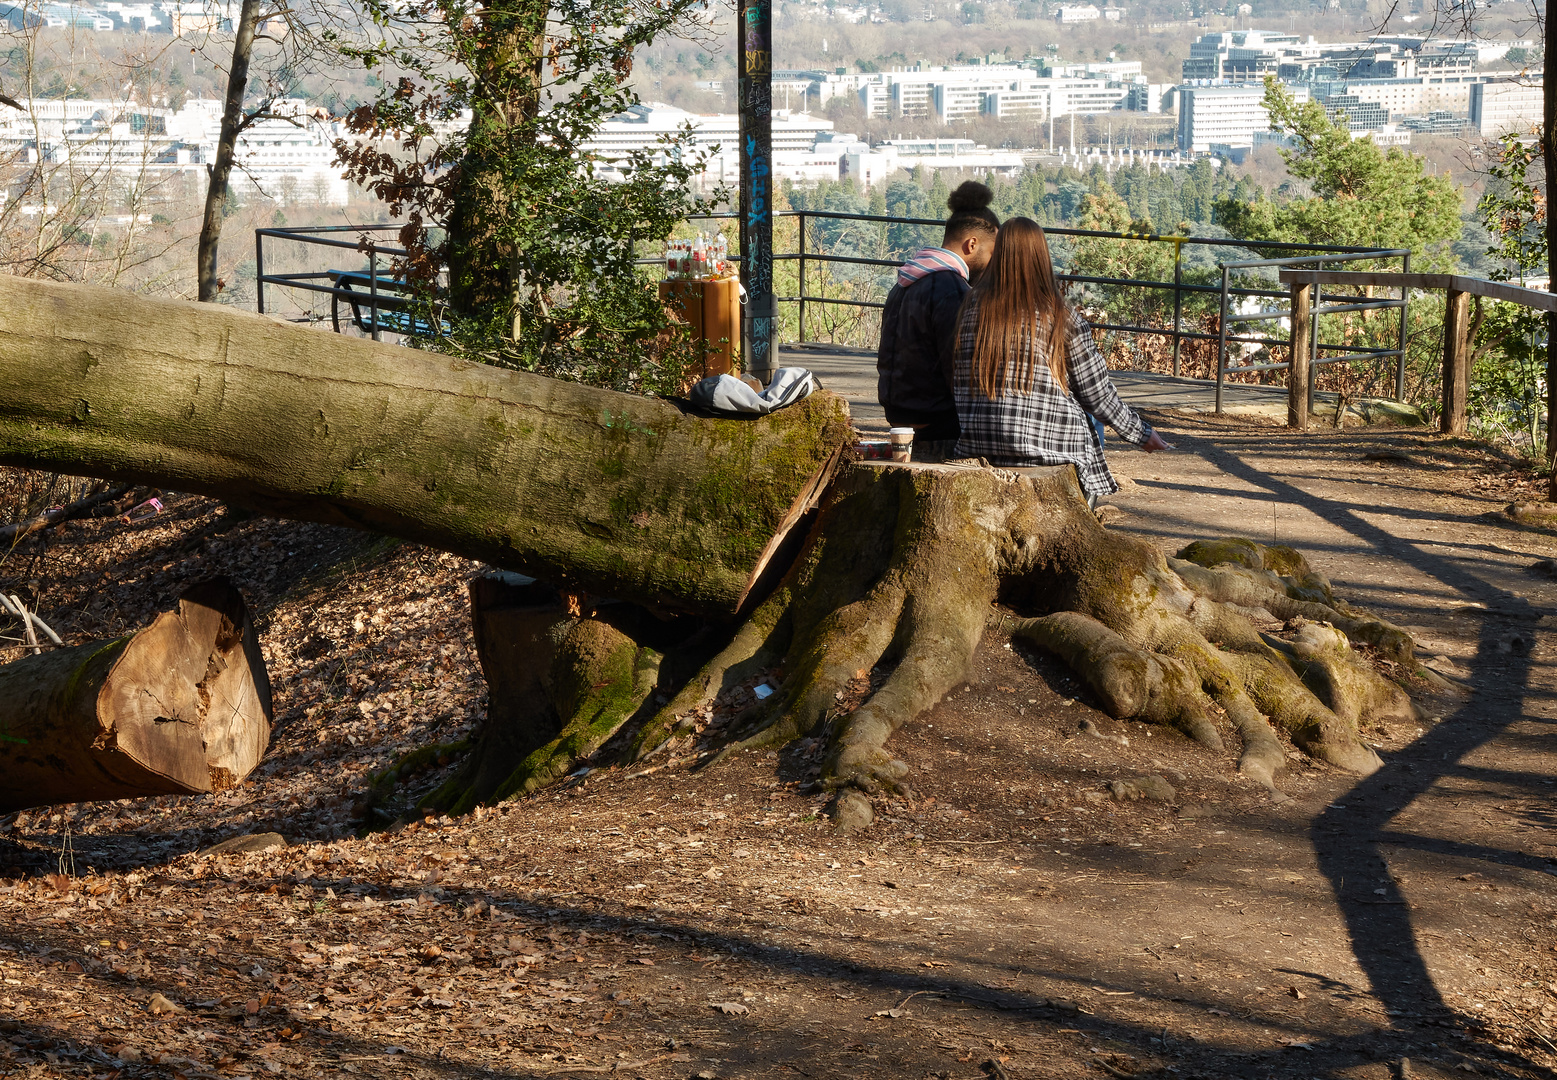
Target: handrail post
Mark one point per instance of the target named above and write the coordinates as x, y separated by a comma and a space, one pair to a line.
1298, 371
1313, 344
1400, 361
1221, 347
1456, 361
802, 219
373, 285
1178, 301
259, 269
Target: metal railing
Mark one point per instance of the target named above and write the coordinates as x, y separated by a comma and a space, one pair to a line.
308, 281
1325, 305
808, 259
1180, 288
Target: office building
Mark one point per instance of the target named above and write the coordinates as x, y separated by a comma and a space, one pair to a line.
1509, 105
1226, 115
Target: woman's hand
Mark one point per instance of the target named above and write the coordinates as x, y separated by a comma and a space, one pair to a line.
1155, 443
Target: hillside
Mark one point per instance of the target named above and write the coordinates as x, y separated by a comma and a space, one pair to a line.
1012, 919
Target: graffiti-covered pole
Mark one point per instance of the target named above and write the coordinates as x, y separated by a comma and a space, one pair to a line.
759, 322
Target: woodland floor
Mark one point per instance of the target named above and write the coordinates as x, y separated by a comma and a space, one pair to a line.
1014, 920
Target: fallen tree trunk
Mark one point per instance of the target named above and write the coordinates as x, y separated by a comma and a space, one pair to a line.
892, 585
180, 708
590, 490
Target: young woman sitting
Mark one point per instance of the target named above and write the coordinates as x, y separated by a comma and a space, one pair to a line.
1027, 372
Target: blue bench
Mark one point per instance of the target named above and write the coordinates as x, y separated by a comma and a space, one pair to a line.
398, 311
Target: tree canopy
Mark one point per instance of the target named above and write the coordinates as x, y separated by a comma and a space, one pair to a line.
538, 238
1360, 194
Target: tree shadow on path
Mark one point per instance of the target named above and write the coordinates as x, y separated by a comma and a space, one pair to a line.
1354, 839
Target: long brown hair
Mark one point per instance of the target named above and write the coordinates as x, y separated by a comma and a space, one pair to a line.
1017, 294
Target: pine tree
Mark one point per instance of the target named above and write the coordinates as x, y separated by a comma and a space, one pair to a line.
1359, 194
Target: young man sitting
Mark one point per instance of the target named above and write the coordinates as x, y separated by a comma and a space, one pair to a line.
919, 324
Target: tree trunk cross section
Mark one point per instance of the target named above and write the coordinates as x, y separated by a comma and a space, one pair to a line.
180, 708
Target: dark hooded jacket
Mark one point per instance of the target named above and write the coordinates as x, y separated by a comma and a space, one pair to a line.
918, 343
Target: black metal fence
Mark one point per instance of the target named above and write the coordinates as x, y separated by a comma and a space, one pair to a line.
1176, 296
380, 287
1239, 279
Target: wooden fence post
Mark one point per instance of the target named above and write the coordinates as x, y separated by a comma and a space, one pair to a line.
1456, 361
1298, 374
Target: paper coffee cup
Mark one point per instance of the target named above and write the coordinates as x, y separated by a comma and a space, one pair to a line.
902, 443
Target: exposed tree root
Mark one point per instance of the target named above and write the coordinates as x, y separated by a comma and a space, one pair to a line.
904, 570
1276, 581
879, 615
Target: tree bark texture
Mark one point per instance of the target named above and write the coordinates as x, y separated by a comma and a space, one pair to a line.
1457, 341
1301, 351
907, 566
484, 273
590, 490
182, 707
226, 150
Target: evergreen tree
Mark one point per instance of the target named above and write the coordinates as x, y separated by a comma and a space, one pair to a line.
906, 198
1360, 194
1197, 193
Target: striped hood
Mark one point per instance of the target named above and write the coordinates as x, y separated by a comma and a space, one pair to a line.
930, 261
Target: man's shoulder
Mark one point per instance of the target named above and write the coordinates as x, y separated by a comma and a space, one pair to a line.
951, 283
937, 285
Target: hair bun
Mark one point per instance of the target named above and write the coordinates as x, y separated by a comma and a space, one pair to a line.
970, 196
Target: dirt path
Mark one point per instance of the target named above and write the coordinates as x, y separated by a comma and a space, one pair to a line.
1012, 919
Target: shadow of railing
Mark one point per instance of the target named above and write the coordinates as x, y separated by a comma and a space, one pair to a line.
1359, 831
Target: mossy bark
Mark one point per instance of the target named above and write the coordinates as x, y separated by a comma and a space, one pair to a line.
182, 707
594, 491
906, 566
561, 682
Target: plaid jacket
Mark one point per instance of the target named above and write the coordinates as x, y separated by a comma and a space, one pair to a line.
1044, 426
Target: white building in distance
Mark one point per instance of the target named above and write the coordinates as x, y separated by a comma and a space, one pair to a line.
1497, 108
1225, 116
1004, 91
805, 149
287, 159
882, 161
1080, 13
645, 127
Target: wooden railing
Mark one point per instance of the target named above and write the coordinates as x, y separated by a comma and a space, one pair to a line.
1456, 328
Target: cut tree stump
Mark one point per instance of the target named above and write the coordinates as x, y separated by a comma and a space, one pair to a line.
563, 680
898, 572
181, 708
